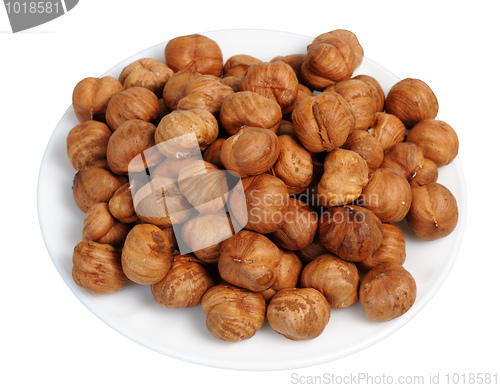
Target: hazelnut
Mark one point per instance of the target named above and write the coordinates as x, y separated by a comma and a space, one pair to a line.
148, 73
184, 285
336, 279
175, 88
121, 205
100, 226
323, 122
204, 186
392, 249
262, 205
212, 153
351, 232
274, 80
237, 65
204, 235
233, 82
347, 36
249, 260
97, 267
376, 88
387, 292
252, 151
92, 185
286, 128
313, 250
160, 203
303, 92
87, 143
233, 314
132, 138
251, 109
190, 131
425, 175
359, 96
411, 100
299, 226
433, 213
294, 165
205, 92
326, 63
146, 255
298, 313
287, 274
387, 129
437, 140
195, 52
294, 60
387, 194
170, 167
406, 158
172, 239
345, 175
133, 103
367, 146
91, 97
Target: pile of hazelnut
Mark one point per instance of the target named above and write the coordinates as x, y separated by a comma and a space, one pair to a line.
328, 165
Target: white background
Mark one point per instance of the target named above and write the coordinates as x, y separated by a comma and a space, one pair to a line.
48, 337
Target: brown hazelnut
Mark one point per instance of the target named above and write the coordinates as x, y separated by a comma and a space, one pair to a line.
100, 226
262, 205
92, 185
97, 267
351, 232
433, 213
237, 65
172, 239
233, 82
121, 205
274, 80
204, 186
299, 226
251, 109
294, 165
367, 146
148, 73
294, 60
387, 129
189, 131
387, 292
323, 122
252, 151
249, 260
345, 175
437, 140
175, 88
313, 250
303, 92
336, 279
425, 175
170, 167
205, 92
376, 88
212, 153
387, 194
146, 255
87, 144
91, 96
233, 314
298, 313
195, 52
160, 203
347, 36
359, 96
392, 249
286, 128
411, 100
287, 274
184, 285
406, 157
204, 235
132, 138
133, 103
326, 63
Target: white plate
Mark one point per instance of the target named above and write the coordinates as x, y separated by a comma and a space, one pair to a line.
182, 333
